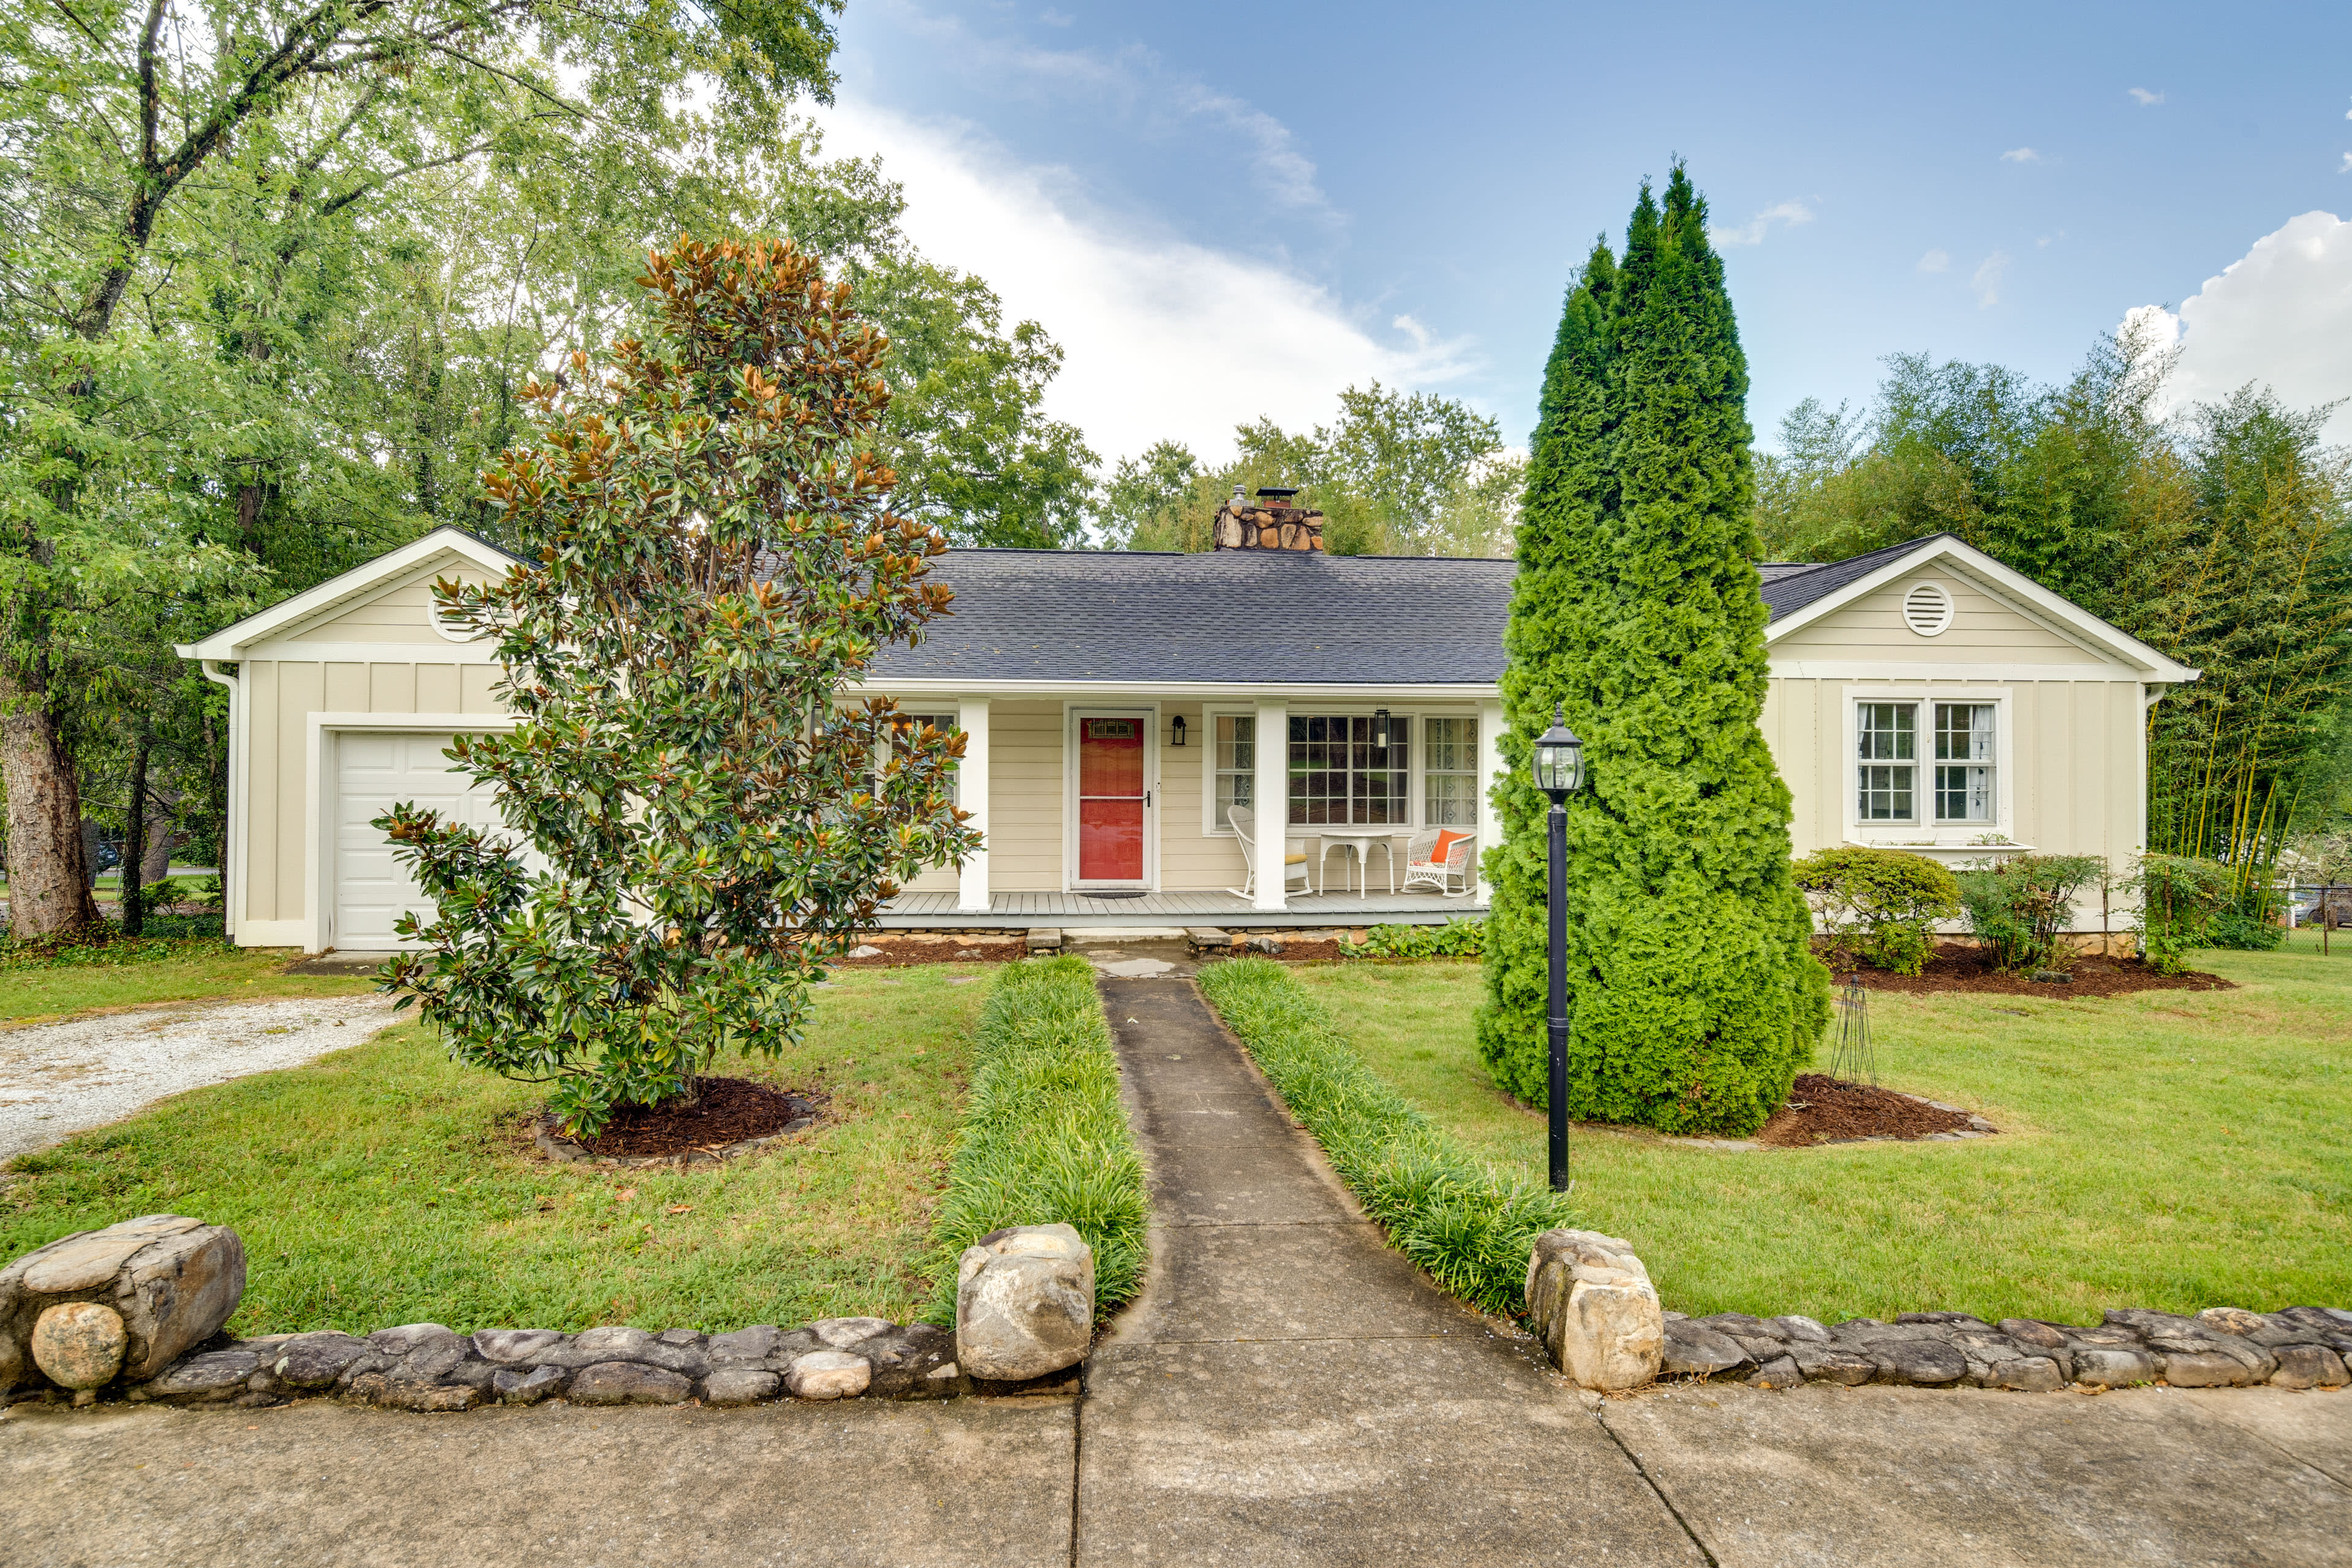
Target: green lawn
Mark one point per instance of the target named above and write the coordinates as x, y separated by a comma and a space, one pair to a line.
385, 1185
193, 970
2175, 1149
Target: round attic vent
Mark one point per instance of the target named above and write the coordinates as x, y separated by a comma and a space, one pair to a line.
1927, 609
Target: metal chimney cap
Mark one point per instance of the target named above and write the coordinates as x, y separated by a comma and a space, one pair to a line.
1273, 492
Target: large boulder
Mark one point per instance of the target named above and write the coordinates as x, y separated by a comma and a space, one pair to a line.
1592, 1302
1025, 1302
172, 1280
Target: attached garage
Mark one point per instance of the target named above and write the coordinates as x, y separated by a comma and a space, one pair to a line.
343, 700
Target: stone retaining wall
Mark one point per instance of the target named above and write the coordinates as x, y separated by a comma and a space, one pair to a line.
2302, 1347
427, 1367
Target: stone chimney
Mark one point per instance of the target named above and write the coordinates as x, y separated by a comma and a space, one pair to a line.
1274, 523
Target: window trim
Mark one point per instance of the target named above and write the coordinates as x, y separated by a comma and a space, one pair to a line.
1923, 831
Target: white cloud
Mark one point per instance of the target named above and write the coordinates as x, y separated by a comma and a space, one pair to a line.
2147, 100
1987, 279
1935, 261
1164, 338
2279, 316
2021, 155
1135, 87
2346, 169
1788, 214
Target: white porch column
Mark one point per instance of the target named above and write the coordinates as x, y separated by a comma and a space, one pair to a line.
1490, 768
972, 794
1270, 799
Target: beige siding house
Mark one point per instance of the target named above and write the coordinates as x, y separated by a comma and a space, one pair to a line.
1114, 707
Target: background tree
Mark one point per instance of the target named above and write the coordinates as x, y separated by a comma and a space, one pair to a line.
717, 561
1399, 473
1694, 994
313, 336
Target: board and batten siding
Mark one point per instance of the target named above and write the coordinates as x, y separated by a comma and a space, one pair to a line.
1984, 630
2073, 752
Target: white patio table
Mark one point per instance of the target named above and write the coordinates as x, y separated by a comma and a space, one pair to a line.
1357, 839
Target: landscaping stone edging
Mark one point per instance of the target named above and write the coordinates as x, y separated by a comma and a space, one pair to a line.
2300, 1347
428, 1367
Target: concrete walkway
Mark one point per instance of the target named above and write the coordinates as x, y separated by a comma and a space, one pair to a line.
1289, 1390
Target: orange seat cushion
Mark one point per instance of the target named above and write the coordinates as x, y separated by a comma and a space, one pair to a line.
1446, 840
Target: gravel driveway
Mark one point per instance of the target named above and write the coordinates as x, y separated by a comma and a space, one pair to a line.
57, 1078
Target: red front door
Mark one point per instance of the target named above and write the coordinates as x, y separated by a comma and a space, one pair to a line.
1111, 800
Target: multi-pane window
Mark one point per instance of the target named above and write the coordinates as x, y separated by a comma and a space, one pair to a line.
1236, 761
1338, 775
1888, 767
1965, 742
1449, 771
1965, 737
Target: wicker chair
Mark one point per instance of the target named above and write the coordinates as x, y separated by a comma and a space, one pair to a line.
1425, 866
1293, 854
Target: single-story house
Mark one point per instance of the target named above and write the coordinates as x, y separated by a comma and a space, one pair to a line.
1117, 705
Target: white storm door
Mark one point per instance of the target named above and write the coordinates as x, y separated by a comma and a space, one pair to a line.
375, 768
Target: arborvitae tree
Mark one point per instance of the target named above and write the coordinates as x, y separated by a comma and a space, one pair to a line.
1693, 989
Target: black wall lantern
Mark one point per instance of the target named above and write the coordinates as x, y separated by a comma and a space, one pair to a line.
1381, 728
1176, 730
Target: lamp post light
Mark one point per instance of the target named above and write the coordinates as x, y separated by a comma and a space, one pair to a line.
1559, 768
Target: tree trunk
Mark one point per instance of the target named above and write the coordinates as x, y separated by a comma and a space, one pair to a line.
156, 858
134, 840
48, 876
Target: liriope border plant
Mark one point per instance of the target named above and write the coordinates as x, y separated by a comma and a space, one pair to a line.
1044, 1139
1467, 1226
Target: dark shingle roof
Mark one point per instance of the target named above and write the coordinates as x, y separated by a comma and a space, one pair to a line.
1790, 585
1248, 616
1232, 615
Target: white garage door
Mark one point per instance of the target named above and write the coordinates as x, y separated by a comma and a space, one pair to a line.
375, 769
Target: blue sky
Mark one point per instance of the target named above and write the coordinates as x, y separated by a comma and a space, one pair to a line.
1225, 211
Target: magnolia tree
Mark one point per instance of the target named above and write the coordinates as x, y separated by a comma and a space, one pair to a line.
698, 821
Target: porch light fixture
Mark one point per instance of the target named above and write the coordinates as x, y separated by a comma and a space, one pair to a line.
1558, 769
1176, 731
1381, 728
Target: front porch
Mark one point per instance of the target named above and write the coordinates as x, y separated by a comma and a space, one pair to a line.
1017, 912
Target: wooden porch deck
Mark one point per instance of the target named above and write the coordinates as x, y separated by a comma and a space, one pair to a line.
1013, 912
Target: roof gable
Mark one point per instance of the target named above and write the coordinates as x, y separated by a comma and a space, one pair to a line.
437, 552
1801, 600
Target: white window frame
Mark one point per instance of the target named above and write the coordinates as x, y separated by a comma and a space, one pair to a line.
1313, 708
1923, 830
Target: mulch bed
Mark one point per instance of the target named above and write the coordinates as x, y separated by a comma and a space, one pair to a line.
1958, 968
1821, 1109
899, 952
726, 1111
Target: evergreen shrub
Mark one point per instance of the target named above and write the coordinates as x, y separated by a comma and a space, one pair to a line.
1693, 992
1044, 1139
2018, 906
1468, 1227
1878, 905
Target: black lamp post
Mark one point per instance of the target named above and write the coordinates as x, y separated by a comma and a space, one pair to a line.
1560, 772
